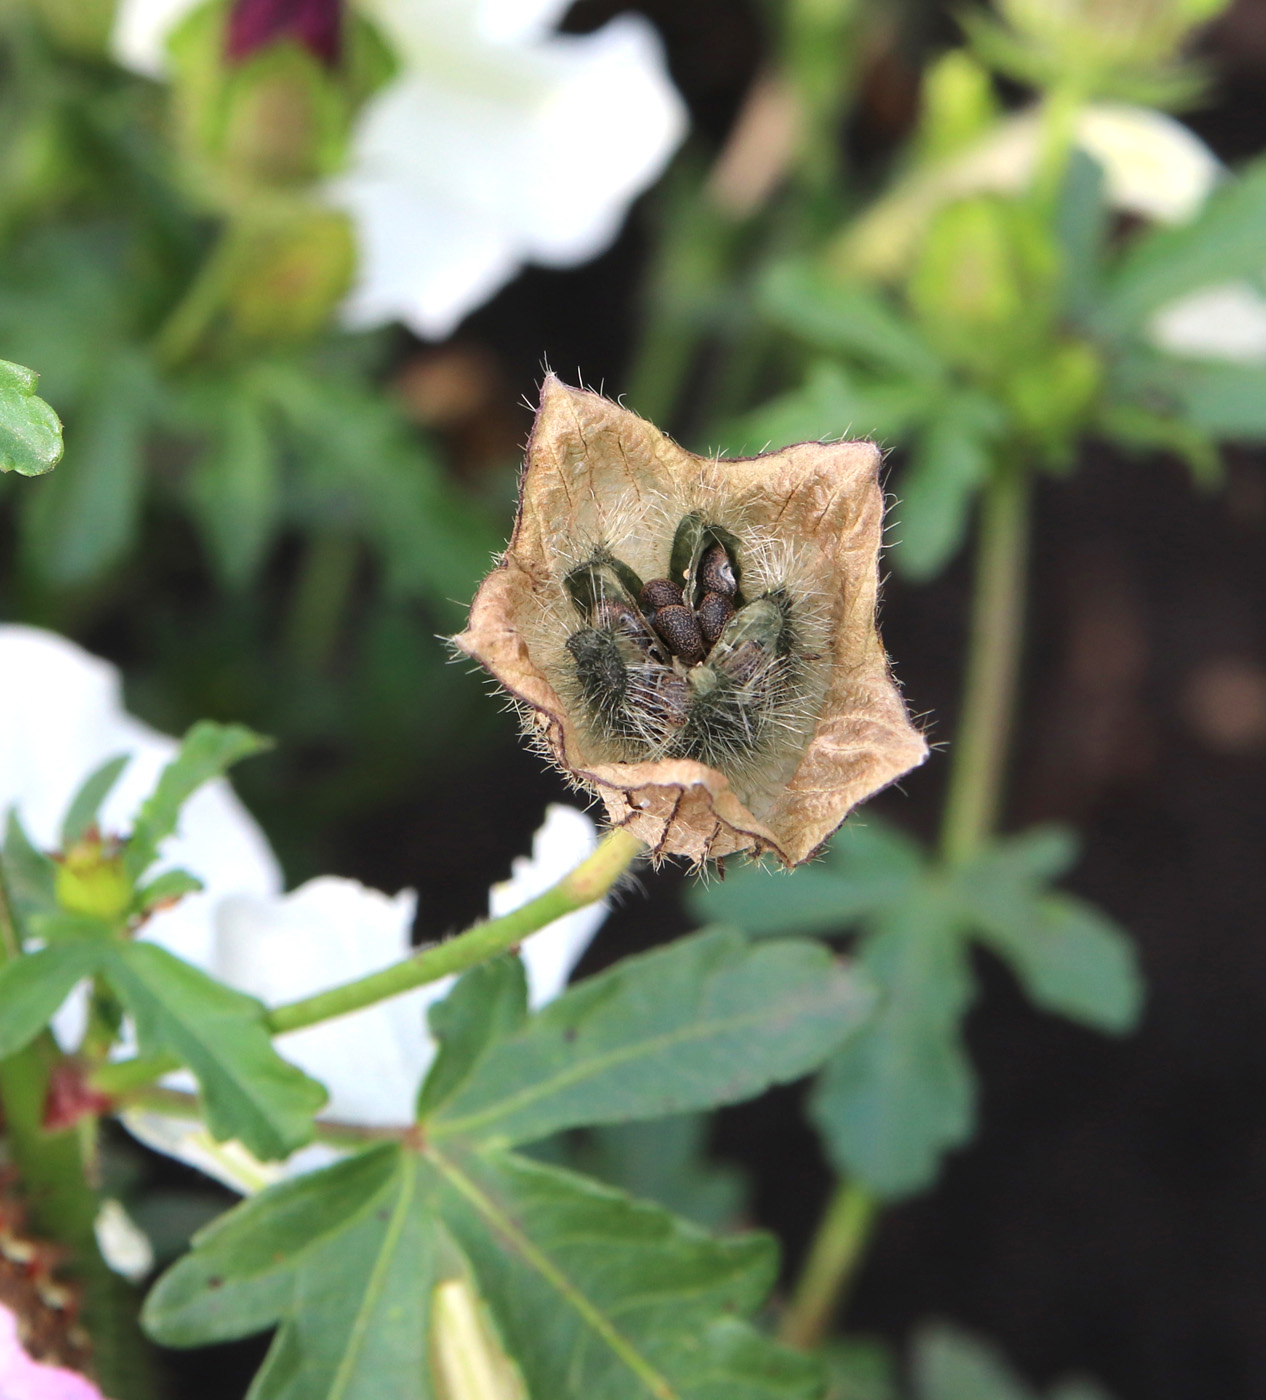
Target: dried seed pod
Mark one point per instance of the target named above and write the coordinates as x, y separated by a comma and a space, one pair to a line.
679, 628
713, 612
792, 719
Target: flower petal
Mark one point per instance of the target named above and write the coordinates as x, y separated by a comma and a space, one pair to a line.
327, 932
139, 37
21, 1378
482, 156
62, 719
1225, 322
561, 843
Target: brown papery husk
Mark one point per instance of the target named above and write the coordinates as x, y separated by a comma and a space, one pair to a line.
809, 518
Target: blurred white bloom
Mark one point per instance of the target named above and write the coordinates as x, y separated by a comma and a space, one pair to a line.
1153, 167
62, 717
21, 1378
496, 144
371, 1061
1224, 322
123, 1244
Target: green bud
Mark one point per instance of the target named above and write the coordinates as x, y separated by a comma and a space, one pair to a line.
983, 284
91, 880
1053, 398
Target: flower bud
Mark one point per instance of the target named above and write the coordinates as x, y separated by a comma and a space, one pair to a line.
91, 880
316, 25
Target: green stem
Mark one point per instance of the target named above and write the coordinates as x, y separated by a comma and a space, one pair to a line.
971, 810
590, 881
834, 1255
61, 1202
997, 625
327, 574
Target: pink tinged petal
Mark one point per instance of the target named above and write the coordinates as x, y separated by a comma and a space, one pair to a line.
21, 1378
1224, 322
327, 932
562, 842
314, 24
141, 29
480, 157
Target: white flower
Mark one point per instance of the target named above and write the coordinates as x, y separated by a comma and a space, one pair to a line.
61, 717
1153, 167
496, 144
122, 1242
65, 718
372, 1061
1224, 322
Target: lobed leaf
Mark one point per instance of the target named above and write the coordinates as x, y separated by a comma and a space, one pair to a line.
249, 1091
206, 751
707, 1020
950, 1365
595, 1297
30, 432
86, 803
901, 1093
869, 867
34, 985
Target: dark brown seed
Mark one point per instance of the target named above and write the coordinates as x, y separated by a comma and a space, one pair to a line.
659, 593
716, 572
680, 630
713, 612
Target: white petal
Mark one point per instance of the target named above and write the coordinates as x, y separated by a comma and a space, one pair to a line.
482, 156
327, 932
188, 1141
1153, 165
562, 842
124, 1246
139, 37
1226, 322
412, 23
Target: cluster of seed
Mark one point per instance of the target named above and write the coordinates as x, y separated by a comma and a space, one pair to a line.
685, 669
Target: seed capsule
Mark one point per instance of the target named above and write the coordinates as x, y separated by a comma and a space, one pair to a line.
713, 612
716, 572
679, 628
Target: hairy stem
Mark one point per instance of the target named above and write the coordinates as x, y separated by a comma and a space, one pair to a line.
590, 881
836, 1251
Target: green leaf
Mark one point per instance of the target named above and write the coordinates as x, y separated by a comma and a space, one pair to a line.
950, 1365
591, 1294
869, 867
236, 487
170, 886
860, 1369
708, 1020
949, 463
1224, 241
249, 1091
87, 801
34, 985
30, 432
488, 1003
1082, 224
1224, 400
901, 1093
82, 519
841, 316
1071, 958
206, 751
832, 403
29, 875
665, 1160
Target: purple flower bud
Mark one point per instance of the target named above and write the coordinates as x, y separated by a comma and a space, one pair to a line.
316, 24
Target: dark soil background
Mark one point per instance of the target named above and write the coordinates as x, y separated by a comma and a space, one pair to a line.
1110, 1216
